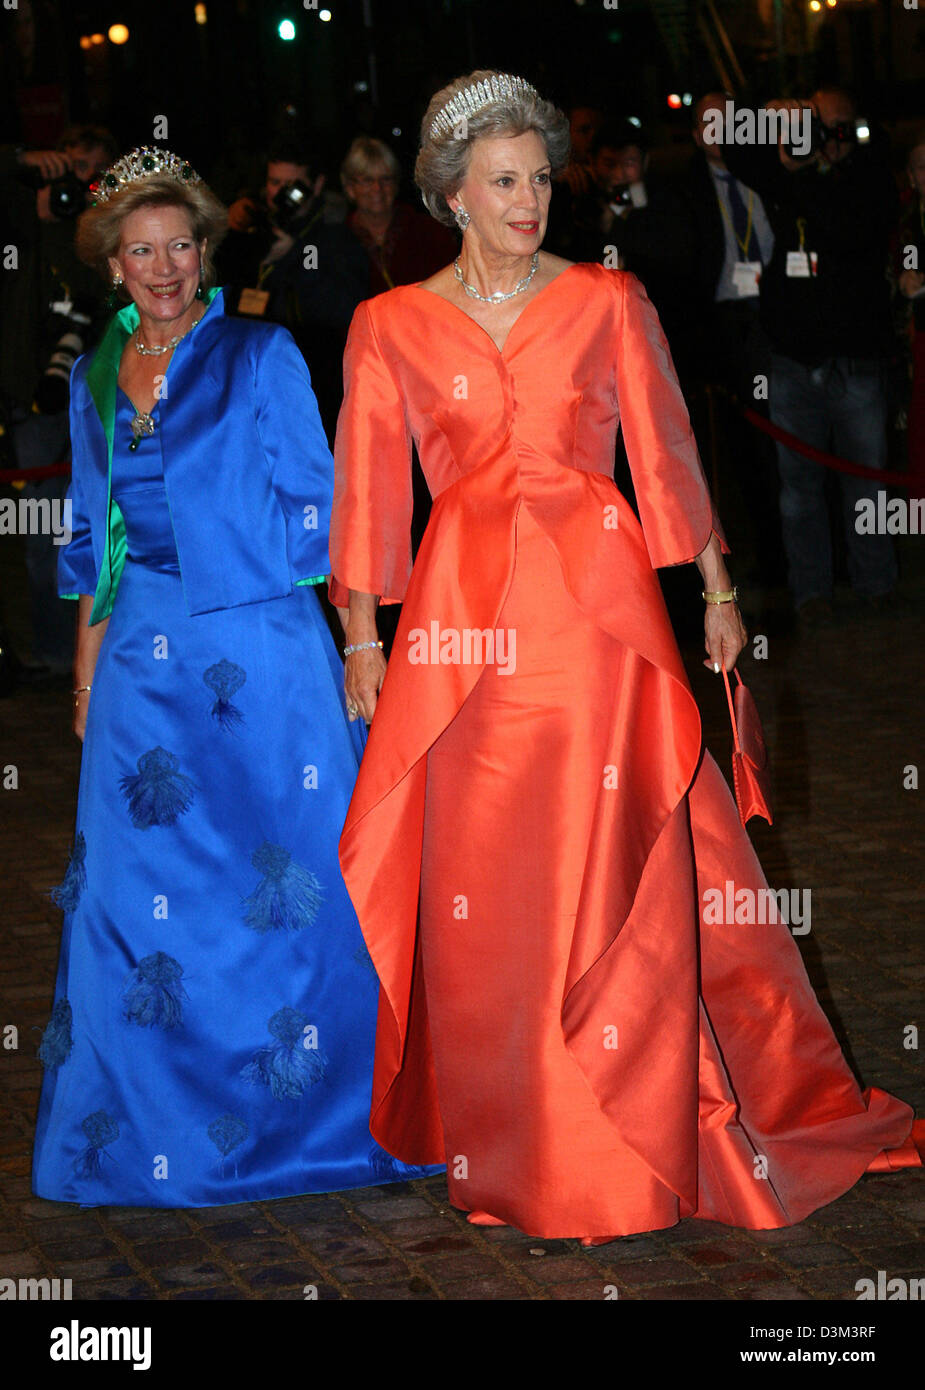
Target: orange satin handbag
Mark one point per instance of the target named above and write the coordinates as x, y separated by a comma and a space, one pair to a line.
750, 773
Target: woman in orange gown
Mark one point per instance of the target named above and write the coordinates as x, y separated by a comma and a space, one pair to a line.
536, 821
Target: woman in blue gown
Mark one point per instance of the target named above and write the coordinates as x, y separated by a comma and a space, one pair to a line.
211, 1038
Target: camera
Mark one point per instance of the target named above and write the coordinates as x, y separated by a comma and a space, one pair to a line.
67, 195
620, 196
51, 394
847, 132
292, 205
856, 132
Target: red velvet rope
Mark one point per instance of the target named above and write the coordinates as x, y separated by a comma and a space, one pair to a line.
857, 470
51, 470
840, 465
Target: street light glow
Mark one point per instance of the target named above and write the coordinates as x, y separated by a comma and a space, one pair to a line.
118, 33
286, 30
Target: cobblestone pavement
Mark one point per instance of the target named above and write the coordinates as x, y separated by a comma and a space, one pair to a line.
842, 712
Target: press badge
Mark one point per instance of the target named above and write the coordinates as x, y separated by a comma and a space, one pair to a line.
254, 302
745, 277
801, 264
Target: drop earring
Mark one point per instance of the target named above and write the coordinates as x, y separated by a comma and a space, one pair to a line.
462, 218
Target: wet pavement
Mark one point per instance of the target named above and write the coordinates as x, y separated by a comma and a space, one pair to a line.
842, 714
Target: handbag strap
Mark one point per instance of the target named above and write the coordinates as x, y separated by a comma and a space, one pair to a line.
735, 732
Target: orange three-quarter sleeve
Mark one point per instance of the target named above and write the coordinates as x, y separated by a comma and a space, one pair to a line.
373, 501
675, 508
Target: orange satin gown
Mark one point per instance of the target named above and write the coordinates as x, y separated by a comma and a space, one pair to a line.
534, 827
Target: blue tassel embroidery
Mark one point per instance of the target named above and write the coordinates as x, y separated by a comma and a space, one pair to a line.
388, 1169
289, 1066
58, 1037
224, 679
67, 894
159, 794
288, 898
154, 994
364, 959
101, 1129
228, 1133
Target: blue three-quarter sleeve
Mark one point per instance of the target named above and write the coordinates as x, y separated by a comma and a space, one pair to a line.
78, 571
300, 462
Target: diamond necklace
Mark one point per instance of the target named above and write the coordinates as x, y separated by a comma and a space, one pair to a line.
156, 351
497, 297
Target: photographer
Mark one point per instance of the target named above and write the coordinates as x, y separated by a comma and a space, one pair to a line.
733, 243
907, 274
288, 258
637, 213
825, 306
51, 310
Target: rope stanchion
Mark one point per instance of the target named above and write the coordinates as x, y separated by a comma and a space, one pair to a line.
885, 476
31, 475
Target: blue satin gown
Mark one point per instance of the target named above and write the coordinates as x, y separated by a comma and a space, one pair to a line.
212, 1033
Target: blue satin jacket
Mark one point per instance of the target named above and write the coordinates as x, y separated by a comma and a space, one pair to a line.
247, 468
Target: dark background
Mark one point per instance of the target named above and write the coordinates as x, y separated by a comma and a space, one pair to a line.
229, 85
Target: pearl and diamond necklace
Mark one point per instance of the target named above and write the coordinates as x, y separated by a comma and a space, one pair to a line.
143, 424
155, 350
497, 297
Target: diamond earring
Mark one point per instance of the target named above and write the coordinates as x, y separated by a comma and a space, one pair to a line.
462, 218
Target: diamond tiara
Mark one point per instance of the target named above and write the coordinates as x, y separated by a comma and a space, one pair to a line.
498, 87
142, 163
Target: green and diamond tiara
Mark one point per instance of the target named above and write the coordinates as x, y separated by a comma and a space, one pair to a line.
143, 163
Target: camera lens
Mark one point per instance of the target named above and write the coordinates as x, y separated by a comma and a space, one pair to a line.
291, 204
67, 196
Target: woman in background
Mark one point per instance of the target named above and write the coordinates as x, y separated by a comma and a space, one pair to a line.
403, 244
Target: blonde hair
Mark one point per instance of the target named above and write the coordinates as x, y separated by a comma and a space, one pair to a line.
99, 229
364, 154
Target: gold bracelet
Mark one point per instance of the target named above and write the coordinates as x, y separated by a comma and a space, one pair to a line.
721, 595
80, 689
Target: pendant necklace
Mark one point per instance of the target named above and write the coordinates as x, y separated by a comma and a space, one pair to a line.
143, 423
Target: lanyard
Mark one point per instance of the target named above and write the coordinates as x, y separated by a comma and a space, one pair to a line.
266, 270
742, 245
801, 228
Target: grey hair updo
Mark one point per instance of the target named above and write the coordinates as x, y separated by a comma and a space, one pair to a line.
443, 158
